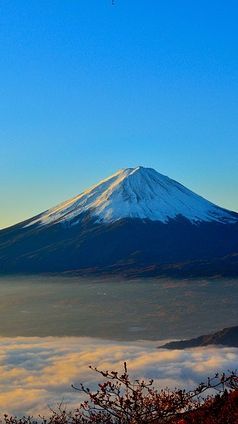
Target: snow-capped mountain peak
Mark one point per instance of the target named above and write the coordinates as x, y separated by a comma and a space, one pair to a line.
137, 193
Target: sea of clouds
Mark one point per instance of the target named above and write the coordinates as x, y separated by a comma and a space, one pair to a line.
36, 373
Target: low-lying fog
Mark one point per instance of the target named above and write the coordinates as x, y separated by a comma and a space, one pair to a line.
132, 310
104, 324
37, 373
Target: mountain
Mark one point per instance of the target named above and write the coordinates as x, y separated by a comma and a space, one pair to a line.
136, 193
137, 222
226, 337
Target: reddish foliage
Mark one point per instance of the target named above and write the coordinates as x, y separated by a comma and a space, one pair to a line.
120, 400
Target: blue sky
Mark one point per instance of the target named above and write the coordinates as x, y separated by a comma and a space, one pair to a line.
87, 88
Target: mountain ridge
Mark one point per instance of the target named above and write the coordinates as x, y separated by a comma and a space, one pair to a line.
226, 337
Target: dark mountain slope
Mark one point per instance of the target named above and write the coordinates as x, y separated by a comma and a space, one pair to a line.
170, 249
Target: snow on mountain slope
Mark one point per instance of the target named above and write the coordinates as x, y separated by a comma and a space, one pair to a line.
137, 193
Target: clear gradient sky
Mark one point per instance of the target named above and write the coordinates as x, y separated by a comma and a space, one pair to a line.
87, 88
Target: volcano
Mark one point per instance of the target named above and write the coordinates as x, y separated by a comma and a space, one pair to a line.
137, 222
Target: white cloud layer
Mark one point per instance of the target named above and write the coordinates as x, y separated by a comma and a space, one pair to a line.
36, 373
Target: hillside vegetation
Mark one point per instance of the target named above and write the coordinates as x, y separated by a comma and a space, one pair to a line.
120, 400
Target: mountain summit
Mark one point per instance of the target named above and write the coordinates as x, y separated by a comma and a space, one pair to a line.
139, 193
137, 222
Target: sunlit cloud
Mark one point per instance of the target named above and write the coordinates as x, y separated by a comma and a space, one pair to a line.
37, 373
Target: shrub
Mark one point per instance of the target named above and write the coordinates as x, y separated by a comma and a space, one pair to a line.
120, 400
